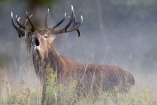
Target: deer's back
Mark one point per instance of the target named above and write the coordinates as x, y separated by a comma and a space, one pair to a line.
98, 76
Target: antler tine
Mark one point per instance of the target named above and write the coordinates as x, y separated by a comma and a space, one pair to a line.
13, 22
64, 30
17, 21
20, 32
60, 22
33, 28
72, 24
75, 26
46, 24
71, 20
27, 19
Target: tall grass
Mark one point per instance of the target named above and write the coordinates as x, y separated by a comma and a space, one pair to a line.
59, 94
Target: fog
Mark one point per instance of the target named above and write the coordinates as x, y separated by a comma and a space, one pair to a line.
109, 35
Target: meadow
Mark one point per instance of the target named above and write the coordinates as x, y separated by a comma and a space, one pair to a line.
21, 93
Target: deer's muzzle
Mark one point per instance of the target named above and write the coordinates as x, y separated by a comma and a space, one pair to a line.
36, 41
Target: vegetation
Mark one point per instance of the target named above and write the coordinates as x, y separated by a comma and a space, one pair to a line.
67, 95
113, 11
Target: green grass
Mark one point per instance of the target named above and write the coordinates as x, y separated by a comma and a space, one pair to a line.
59, 94
67, 95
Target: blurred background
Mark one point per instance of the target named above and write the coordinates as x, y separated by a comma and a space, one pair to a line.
115, 32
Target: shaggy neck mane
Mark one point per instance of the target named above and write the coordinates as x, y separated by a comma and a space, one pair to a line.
53, 59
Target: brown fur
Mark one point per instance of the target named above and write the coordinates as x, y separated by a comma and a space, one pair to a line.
88, 76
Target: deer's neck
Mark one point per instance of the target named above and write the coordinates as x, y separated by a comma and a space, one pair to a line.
48, 59
52, 59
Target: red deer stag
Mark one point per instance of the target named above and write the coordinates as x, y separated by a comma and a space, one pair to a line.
88, 76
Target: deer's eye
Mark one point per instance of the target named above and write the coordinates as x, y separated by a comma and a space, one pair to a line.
45, 36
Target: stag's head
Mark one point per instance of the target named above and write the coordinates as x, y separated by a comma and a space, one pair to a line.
41, 39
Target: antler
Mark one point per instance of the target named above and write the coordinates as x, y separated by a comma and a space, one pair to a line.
46, 24
17, 21
33, 28
19, 30
71, 26
27, 19
60, 22
19, 27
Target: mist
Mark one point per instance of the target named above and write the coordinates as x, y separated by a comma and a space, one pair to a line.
114, 33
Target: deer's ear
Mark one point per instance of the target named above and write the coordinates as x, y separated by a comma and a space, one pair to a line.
51, 39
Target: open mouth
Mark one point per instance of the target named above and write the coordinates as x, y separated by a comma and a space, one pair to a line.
36, 44
36, 41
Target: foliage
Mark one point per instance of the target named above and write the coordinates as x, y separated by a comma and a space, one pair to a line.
66, 95
51, 87
24, 96
59, 93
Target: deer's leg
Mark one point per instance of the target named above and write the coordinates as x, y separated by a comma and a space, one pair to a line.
43, 94
115, 98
